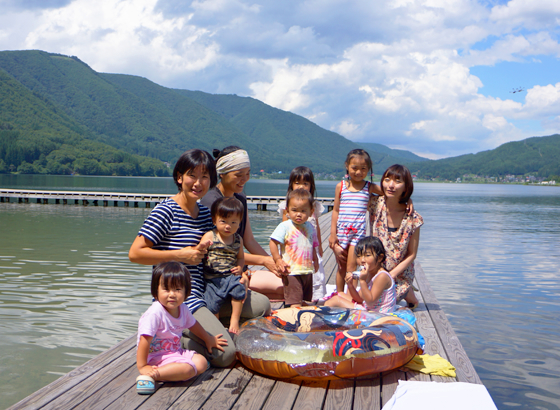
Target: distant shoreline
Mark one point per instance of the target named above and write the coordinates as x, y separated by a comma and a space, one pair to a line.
285, 179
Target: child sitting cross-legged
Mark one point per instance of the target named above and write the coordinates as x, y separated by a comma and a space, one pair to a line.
296, 262
377, 288
159, 354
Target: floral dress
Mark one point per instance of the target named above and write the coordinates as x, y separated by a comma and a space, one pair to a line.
395, 243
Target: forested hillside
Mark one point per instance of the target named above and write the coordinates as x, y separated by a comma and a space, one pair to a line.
36, 136
137, 116
538, 156
285, 133
59, 116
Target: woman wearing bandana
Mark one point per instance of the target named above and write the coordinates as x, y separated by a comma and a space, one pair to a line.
234, 169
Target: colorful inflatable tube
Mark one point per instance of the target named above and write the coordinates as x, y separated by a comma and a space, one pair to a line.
326, 343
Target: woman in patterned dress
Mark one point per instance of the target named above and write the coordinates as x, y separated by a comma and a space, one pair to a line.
398, 230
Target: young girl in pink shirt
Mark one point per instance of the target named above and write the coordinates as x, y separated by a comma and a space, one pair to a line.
159, 354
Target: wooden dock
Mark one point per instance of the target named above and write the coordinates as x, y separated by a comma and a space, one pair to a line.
120, 198
108, 380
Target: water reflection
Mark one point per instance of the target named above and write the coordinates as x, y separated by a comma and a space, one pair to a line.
68, 291
493, 262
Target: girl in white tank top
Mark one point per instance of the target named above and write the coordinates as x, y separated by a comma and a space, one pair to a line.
377, 288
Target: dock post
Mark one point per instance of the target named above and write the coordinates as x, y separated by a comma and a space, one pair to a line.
38, 200
76, 202
329, 208
147, 204
1, 199
126, 204
45, 201
105, 203
136, 204
115, 203
85, 202
95, 202
57, 201
64, 201
261, 207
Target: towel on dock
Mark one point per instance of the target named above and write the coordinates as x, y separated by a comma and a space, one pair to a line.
440, 396
431, 364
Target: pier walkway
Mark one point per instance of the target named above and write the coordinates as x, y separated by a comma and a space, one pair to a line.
108, 380
120, 198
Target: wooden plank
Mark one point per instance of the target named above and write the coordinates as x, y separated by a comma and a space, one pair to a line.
227, 393
201, 389
311, 395
340, 395
167, 393
425, 326
283, 395
65, 383
390, 382
423, 318
367, 394
95, 383
331, 267
417, 376
255, 394
453, 347
119, 386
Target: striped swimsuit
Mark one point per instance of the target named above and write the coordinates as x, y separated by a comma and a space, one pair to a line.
351, 224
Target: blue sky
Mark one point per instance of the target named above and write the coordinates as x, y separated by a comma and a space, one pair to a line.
430, 76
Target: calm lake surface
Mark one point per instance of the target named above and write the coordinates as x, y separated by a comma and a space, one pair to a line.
68, 291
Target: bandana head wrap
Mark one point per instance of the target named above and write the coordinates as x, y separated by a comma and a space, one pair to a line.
233, 161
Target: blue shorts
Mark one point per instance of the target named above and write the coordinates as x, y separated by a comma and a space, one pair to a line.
218, 289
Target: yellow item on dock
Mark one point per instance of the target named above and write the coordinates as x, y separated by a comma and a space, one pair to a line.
431, 364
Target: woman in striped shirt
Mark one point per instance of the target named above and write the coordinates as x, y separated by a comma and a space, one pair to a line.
172, 232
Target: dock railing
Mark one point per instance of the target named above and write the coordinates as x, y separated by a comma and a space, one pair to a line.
121, 198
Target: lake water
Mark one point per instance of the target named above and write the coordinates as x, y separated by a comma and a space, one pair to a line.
68, 291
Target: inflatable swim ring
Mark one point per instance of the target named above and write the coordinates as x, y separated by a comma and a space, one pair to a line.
326, 343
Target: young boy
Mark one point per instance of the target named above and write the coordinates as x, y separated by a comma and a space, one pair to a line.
223, 265
296, 261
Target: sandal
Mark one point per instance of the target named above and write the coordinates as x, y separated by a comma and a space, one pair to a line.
412, 306
145, 385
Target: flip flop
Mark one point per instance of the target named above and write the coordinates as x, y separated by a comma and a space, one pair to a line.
412, 306
145, 385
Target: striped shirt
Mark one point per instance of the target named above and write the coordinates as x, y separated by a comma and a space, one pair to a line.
353, 205
168, 227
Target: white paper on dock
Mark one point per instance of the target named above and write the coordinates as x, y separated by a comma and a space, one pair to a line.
440, 396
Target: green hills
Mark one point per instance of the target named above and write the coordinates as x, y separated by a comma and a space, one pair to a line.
60, 116
537, 156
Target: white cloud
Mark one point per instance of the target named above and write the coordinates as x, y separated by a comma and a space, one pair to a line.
543, 101
393, 72
527, 13
124, 37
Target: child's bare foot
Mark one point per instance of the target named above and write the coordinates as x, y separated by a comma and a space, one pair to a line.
234, 327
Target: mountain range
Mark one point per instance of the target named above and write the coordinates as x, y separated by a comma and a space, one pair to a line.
56, 108
59, 116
